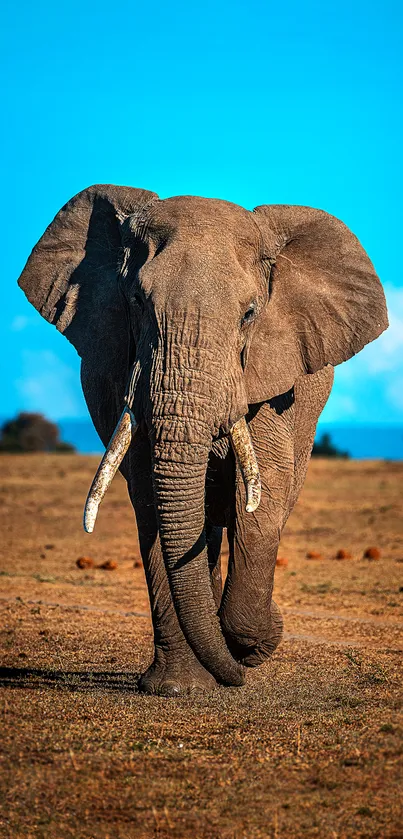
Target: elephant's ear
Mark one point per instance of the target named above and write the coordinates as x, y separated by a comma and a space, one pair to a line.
325, 299
71, 275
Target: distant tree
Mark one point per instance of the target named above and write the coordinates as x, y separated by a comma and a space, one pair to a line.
31, 433
325, 448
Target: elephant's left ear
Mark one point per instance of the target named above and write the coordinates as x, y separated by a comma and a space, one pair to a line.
325, 299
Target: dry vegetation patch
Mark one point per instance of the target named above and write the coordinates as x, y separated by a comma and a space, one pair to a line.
310, 747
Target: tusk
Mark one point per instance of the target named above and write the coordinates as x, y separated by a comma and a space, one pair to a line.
245, 455
115, 452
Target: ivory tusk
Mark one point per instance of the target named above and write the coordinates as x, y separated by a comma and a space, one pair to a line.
115, 452
245, 455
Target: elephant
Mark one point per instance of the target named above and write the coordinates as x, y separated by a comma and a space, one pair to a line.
208, 334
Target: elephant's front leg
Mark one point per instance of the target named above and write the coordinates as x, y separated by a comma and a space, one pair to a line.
251, 621
175, 669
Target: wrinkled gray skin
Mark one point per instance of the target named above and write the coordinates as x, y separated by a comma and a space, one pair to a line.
201, 312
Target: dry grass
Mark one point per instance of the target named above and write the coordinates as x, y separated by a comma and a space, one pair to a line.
310, 747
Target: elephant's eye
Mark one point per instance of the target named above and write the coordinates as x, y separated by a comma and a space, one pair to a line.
249, 314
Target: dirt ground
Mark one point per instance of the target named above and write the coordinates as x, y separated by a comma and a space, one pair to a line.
309, 747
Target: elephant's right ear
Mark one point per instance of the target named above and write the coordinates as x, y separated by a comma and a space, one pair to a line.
71, 275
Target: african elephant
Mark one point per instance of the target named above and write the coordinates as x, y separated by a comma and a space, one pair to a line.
216, 330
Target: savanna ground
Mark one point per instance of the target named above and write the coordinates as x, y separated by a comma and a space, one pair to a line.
310, 747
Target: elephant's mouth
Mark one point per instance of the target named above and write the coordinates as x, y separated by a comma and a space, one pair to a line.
120, 442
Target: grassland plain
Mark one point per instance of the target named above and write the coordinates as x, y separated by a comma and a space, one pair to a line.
311, 746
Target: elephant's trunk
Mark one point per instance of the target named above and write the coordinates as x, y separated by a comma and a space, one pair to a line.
194, 389
179, 482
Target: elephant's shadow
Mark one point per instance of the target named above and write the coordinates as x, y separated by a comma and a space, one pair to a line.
68, 680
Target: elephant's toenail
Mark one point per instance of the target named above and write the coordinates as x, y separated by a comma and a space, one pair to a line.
169, 689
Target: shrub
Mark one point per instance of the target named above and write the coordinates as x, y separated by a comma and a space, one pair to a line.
325, 448
31, 433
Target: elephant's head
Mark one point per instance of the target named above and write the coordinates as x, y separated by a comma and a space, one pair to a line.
191, 309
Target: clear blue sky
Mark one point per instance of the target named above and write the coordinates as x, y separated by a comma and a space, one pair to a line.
255, 102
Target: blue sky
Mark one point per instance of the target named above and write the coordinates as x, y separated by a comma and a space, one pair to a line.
254, 102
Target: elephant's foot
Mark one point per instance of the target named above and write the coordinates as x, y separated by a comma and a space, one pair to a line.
251, 655
176, 673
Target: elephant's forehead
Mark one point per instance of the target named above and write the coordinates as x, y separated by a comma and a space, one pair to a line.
205, 216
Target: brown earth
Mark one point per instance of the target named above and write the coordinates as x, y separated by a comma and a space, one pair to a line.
309, 747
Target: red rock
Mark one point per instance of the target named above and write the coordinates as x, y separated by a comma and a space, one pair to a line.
85, 562
137, 563
108, 565
314, 555
372, 553
343, 554
282, 561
